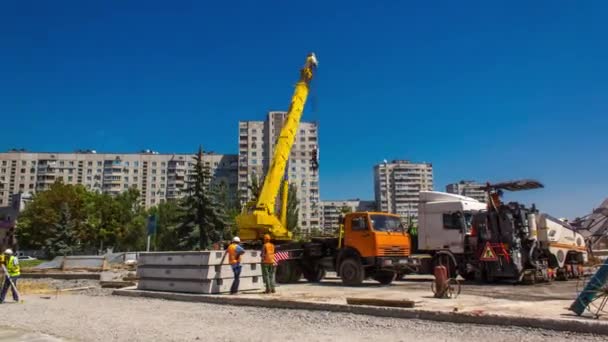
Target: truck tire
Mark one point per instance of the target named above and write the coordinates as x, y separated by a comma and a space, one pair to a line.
314, 276
288, 272
385, 277
351, 272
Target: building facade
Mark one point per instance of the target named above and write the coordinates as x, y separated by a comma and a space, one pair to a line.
331, 210
467, 188
158, 177
397, 185
256, 148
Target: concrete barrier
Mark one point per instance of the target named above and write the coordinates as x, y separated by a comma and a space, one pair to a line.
203, 272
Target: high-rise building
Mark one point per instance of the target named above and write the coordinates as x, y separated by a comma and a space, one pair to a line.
397, 186
467, 188
331, 211
158, 177
256, 148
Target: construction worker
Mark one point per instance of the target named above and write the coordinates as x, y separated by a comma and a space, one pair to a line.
268, 267
234, 258
14, 271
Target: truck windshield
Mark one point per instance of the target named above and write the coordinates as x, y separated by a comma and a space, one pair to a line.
384, 223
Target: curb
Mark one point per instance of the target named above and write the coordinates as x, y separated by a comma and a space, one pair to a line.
63, 276
571, 325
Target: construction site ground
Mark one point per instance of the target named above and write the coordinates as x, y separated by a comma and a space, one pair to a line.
94, 314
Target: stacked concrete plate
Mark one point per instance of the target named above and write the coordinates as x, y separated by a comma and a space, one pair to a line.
204, 272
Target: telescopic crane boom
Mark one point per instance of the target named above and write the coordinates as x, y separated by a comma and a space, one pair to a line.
259, 217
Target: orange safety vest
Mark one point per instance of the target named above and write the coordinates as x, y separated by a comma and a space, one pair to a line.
268, 253
233, 256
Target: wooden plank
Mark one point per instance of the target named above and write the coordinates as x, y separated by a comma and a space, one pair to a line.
116, 284
394, 303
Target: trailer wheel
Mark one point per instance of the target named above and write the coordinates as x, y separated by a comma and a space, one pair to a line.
351, 272
385, 277
288, 272
315, 275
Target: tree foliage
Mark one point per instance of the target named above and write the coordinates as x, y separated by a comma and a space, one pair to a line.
68, 219
203, 220
293, 210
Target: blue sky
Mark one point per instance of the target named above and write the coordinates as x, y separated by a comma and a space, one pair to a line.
485, 90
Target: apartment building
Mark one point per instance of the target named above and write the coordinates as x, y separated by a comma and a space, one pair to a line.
256, 148
331, 211
467, 188
158, 177
397, 185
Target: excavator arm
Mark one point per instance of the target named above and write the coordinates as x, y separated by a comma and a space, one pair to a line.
259, 218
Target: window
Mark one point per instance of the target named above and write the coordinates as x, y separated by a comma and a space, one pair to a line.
153, 171
4, 163
99, 163
163, 164
135, 179
126, 163
31, 186
98, 170
31, 178
61, 163
136, 164
162, 172
89, 178
254, 161
70, 178
71, 171
453, 221
23, 163
71, 163
22, 170
126, 186
90, 163
126, 179
153, 163
162, 179
253, 154
359, 223
153, 186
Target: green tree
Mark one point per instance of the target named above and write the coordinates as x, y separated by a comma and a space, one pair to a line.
38, 222
255, 187
203, 220
168, 215
346, 209
293, 210
62, 240
230, 203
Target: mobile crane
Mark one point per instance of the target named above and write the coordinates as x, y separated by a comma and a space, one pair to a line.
370, 245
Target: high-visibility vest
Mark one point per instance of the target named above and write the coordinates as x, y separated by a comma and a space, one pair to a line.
268, 253
233, 256
13, 267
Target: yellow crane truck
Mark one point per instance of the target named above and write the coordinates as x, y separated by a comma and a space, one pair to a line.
370, 244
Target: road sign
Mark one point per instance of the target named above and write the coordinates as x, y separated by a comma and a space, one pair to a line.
488, 253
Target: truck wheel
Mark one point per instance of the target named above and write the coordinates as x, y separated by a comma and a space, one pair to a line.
385, 277
315, 275
288, 272
351, 272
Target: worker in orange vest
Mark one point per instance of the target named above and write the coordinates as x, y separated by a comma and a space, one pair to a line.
268, 267
234, 258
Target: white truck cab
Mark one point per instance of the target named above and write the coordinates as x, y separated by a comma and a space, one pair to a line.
444, 219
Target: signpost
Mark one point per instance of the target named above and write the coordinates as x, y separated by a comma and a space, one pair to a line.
151, 230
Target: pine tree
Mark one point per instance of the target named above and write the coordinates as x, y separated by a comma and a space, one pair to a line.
63, 240
203, 220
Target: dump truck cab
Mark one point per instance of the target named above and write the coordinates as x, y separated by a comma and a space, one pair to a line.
372, 245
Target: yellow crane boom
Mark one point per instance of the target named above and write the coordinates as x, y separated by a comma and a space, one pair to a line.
259, 218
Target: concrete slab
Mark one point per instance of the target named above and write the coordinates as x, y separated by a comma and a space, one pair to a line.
196, 272
202, 258
212, 286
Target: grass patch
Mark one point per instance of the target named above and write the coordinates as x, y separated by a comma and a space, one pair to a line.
30, 263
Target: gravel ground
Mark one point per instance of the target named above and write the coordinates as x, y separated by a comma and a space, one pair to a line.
109, 318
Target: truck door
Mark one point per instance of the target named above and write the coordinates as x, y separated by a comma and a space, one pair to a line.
453, 231
358, 235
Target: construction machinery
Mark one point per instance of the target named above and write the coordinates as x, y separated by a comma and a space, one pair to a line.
498, 241
369, 245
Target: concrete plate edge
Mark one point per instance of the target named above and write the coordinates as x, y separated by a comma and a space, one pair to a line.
452, 317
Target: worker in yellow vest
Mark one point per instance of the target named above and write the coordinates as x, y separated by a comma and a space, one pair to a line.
234, 258
14, 271
268, 264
